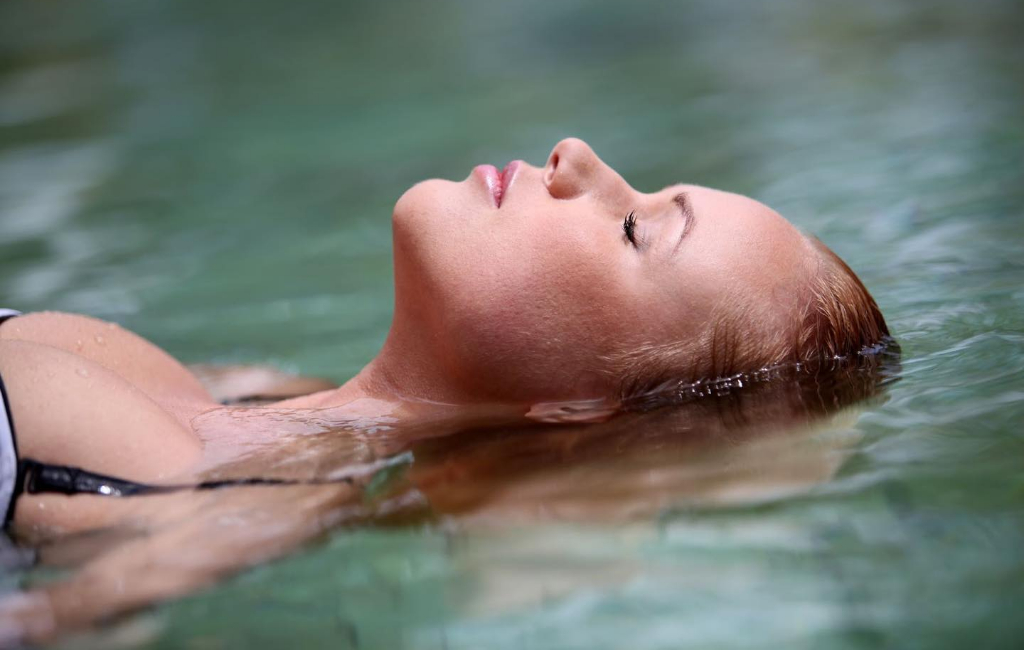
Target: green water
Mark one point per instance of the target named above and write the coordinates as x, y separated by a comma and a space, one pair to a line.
220, 178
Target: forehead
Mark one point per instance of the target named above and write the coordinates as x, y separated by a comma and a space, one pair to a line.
720, 200
744, 233
730, 210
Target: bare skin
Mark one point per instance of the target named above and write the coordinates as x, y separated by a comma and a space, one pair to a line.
127, 409
545, 287
541, 291
159, 547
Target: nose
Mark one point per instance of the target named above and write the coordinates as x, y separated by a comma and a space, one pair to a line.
573, 169
570, 169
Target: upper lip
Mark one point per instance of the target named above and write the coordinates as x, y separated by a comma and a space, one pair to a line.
502, 186
497, 182
505, 176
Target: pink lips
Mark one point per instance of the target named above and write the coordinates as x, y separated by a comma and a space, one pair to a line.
497, 182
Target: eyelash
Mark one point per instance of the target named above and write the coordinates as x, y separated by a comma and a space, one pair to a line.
629, 227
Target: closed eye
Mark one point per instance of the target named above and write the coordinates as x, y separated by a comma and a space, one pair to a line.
629, 228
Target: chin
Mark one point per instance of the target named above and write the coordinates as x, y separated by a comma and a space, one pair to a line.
423, 222
432, 204
427, 241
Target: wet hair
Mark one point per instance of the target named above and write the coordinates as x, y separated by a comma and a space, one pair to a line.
841, 318
833, 322
698, 442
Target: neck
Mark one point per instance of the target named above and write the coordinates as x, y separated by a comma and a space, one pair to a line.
409, 394
407, 371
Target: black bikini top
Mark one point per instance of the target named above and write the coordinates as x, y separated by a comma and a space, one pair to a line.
43, 478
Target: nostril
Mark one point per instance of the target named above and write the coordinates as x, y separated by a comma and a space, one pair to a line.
549, 169
570, 169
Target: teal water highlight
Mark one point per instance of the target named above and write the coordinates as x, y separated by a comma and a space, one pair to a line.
220, 180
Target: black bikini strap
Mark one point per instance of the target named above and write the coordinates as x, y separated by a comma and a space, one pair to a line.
43, 478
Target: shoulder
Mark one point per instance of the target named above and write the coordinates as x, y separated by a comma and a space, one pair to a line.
121, 352
69, 410
88, 393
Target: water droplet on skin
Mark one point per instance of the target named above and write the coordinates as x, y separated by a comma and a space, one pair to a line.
100, 340
82, 372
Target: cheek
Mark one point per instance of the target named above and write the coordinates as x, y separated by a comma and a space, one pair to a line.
553, 301
518, 302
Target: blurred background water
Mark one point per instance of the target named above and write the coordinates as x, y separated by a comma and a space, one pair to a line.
219, 177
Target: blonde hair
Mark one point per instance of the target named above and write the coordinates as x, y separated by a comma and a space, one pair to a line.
834, 320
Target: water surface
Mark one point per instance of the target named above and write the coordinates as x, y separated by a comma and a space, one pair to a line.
219, 179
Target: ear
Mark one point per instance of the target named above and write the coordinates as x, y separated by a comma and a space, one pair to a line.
575, 412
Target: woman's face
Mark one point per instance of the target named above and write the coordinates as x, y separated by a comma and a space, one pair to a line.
524, 293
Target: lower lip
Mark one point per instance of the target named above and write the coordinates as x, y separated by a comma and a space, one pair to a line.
497, 182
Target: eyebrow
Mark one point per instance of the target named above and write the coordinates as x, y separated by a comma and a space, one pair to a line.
683, 201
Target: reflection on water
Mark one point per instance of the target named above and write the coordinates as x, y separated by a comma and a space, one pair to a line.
749, 444
220, 181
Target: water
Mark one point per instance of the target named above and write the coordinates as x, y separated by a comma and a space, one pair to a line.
219, 179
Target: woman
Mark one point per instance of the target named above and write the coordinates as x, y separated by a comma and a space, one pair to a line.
559, 292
